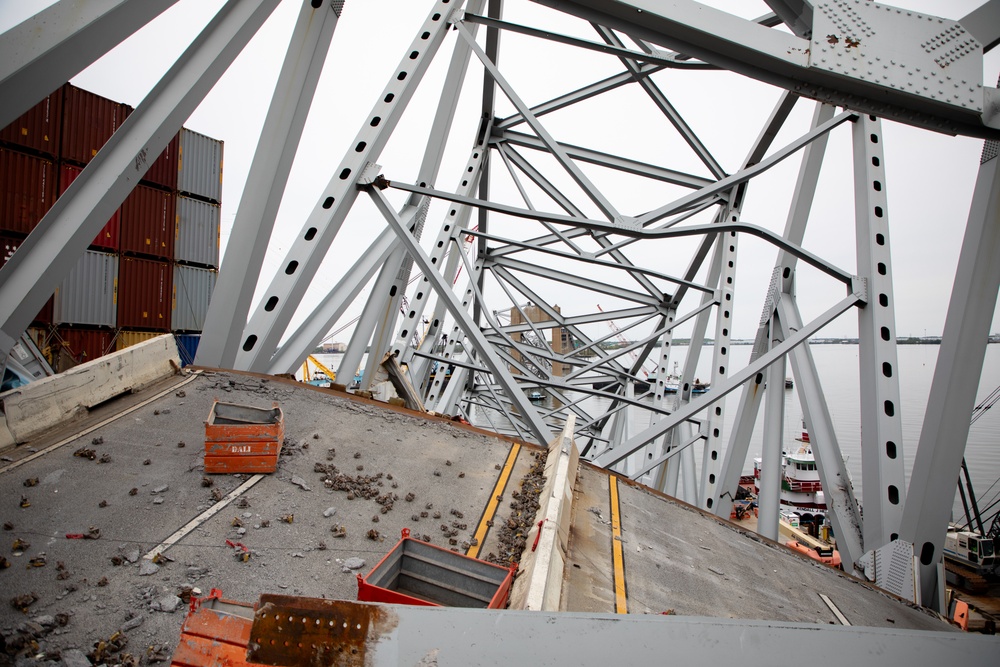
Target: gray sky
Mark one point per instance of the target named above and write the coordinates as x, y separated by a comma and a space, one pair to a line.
930, 177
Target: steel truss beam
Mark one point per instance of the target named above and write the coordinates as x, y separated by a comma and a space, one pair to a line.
50, 48
51, 250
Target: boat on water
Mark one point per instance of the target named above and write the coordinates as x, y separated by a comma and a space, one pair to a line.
801, 488
536, 396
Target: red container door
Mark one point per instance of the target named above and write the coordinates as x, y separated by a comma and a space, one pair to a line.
27, 190
38, 130
163, 171
144, 293
148, 223
107, 238
74, 346
8, 244
89, 120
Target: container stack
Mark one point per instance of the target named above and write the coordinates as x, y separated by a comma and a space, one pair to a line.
152, 268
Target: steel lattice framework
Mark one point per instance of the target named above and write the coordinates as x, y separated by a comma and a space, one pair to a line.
447, 297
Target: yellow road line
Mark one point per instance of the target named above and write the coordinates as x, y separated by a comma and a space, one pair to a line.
617, 553
491, 506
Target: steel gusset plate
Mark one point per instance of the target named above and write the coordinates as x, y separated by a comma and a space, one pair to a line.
291, 631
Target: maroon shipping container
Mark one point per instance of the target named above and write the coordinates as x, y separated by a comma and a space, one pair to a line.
145, 288
77, 345
39, 128
8, 244
89, 120
27, 190
107, 238
149, 222
163, 171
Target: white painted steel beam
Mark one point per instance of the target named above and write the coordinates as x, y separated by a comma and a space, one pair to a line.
832, 72
883, 481
285, 291
838, 492
51, 250
265, 185
956, 380
660, 426
539, 430
45, 51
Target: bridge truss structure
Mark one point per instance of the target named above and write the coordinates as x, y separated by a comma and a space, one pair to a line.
543, 214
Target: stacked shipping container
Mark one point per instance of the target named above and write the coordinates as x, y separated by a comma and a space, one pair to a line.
156, 259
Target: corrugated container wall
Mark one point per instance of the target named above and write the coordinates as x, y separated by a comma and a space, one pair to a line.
199, 166
89, 120
192, 291
149, 222
27, 190
163, 172
197, 232
107, 238
38, 130
144, 294
79, 345
129, 338
88, 295
8, 245
187, 347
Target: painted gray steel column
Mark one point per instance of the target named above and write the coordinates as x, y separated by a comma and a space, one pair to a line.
276, 147
883, 479
375, 308
769, 497
538, 427
720, 363
51, 250
660, 426
266, 327
956, 378
837, 488
45, 51
311, 333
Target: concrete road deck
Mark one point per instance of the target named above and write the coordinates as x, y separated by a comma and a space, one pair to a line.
673, 558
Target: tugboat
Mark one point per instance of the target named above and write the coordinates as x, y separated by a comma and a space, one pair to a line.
801, 489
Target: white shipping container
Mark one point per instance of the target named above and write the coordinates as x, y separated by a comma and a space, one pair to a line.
89, 294
192, 291
197, 239
199, 165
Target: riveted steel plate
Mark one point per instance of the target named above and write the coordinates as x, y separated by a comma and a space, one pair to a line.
916, 53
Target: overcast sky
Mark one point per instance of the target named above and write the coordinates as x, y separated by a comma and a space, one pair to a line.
930, 176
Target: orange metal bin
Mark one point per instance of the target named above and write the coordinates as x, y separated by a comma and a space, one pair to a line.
216, 632
418, 573
244, 439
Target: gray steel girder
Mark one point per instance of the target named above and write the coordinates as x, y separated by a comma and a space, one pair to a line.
276, 147
50, 48
842, 62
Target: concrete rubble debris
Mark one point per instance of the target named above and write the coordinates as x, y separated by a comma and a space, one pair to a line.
168, 603
74, 657
160, 489
329, 511
353, 563
301, 483
147, 568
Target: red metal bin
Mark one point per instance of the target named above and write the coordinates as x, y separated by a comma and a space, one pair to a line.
244, 439
418, 573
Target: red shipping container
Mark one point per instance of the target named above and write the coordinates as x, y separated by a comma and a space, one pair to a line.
144, 294
107, 238
27, 190
39, 128
149, 222
163, 171
8, 244
77, 345
89, 120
